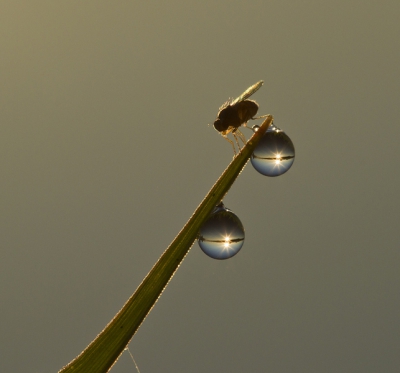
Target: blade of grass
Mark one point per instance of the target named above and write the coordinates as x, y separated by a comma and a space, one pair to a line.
105, 349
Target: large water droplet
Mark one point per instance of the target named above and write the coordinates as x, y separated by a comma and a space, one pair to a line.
222, 235
274, 154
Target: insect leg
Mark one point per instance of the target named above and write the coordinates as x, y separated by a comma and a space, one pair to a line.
241, 136
236, 139
261, 116
233, 146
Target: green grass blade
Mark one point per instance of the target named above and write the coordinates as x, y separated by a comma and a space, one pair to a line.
105, 349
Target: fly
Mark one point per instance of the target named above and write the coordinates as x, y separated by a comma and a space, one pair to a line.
235, 113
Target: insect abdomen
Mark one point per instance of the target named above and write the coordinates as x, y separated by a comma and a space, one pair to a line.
246, 110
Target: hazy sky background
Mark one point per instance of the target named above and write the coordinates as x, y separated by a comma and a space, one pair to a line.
105, 153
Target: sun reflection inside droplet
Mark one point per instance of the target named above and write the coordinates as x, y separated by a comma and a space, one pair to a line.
274, 154
222, 235
227, 242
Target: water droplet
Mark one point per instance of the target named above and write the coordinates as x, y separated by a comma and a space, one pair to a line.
222, 235
274, 154
255, 128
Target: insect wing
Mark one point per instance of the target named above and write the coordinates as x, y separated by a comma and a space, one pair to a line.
248, 92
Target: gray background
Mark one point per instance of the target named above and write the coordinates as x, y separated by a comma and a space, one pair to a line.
106, 152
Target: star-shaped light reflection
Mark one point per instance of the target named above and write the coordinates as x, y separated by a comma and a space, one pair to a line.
278, 159
227, 241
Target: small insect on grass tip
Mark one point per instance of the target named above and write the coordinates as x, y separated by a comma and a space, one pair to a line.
235, 113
